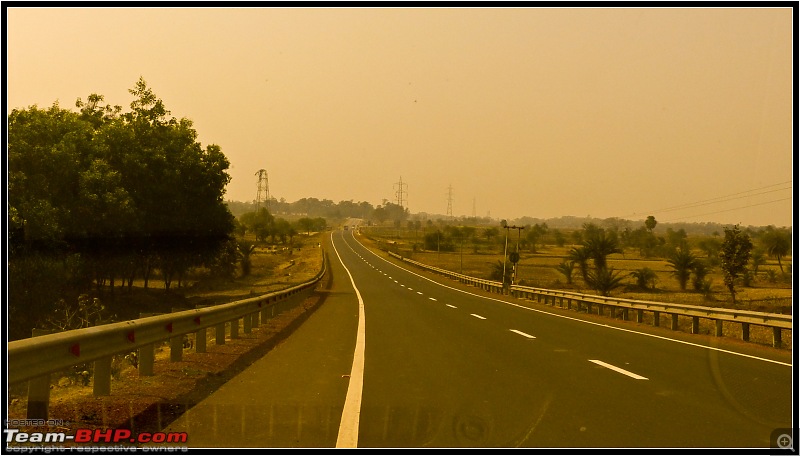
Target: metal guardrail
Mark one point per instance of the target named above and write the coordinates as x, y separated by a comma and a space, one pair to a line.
488, 285
746, 318
34, 359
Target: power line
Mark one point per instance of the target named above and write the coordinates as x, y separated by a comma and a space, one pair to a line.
729, 210
719, 199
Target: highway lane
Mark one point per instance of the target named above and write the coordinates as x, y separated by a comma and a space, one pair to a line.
446, 368
295, 394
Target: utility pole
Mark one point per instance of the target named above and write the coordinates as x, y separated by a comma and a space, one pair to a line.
263, 189
473, 208
514, 256
450, 201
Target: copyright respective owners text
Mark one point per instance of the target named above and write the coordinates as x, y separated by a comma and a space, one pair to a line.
783, 441
19, 439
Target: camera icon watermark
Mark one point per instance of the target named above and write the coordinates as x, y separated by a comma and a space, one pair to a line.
784, 440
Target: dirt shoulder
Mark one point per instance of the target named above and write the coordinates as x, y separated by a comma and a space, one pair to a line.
149, 403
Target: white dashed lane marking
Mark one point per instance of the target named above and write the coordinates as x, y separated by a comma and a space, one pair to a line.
618, 369
478, 316
522, 334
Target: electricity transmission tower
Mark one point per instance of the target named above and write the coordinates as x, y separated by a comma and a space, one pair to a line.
263, 189
401, 193
450, 201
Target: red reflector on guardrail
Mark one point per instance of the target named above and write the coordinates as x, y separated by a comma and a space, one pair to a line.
132, 336
169, 327
197, 320
75, 349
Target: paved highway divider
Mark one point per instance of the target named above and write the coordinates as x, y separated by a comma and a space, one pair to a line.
601, 304
34, 359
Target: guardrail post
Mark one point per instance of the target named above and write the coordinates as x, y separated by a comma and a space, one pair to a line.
200, 340
588, 307
176, 348
695, 325
656, 318
146, 359
256, 316
264, 316
235, 329
599, 309
639, 315
746, 332
625, 314
674, 324
718, 328
38, 397
101, 384
221, 334
248, 324
776, 337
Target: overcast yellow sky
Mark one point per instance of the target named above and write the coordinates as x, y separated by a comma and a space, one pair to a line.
539, 112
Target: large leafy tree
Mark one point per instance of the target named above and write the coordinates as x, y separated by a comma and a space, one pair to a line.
734, 256
101, 192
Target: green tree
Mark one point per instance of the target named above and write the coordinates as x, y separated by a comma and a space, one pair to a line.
650, 223
734, 256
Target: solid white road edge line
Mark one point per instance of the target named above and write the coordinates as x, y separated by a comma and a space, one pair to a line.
351, 414
721, 350
618, 369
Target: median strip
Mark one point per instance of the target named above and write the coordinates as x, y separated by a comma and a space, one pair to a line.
618, 369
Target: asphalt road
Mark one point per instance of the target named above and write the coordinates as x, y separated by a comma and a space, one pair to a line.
447, 367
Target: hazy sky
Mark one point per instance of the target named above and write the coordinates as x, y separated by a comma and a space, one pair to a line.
539, 112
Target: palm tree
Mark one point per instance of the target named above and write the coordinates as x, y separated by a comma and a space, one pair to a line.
599, 246
757, 259
644, 277
682, 263
246, 248
581, 257
566, 267
777, 244
700, 270
604, 280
